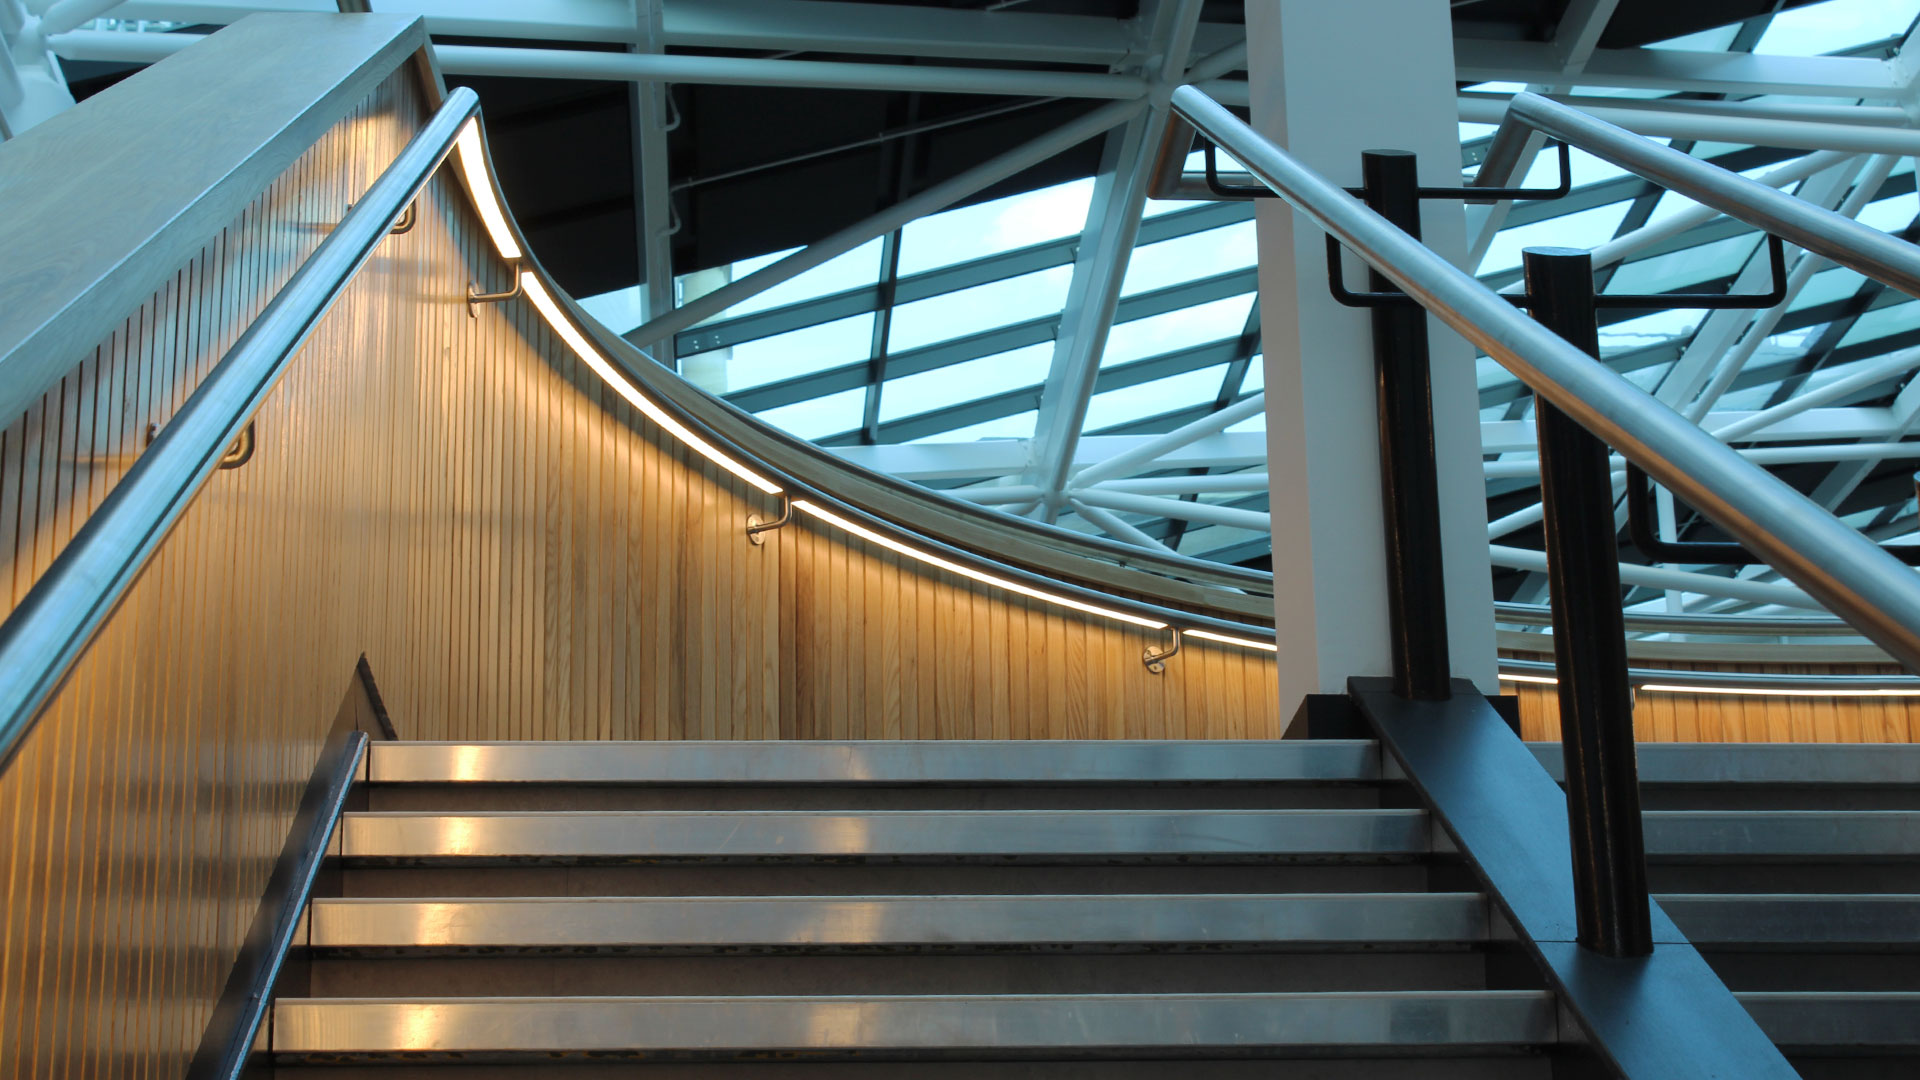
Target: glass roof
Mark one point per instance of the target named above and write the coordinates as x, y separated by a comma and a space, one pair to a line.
978, 293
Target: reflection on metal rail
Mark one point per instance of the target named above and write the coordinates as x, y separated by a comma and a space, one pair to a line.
1841, 568
43, 637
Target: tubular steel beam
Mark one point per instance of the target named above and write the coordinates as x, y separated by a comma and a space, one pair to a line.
934, 198
1106, 247
1841, 239
1833, 562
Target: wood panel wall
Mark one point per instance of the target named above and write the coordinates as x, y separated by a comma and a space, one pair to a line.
141, 817
1670, 717
517, 552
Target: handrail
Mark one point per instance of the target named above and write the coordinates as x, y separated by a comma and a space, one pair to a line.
1834, 236
693, 399
1842, 569
1735, 681
46, 634
800, 492
1646, 623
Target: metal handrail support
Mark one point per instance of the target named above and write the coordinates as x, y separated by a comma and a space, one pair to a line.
47, 633
1835, 564
1832, 235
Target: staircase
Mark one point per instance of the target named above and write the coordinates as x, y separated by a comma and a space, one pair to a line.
978, 908
1019, 909
1795, 869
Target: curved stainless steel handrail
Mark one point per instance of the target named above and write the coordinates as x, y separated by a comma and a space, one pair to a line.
1834, 236
46, 634
1845, 571
1727, 625
1184, 567
624, 361
1736, 681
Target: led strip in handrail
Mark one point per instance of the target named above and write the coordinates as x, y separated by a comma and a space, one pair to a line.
1734, 683
477, 172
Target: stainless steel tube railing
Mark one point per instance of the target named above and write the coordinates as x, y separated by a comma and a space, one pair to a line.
1724, 625
1735, 682
46, 634
1833, 236
1835, 564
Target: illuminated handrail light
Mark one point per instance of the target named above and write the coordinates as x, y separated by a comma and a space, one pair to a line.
1783, 691
543, 301
1723, 689
1008, 584
474, 166
1245, 643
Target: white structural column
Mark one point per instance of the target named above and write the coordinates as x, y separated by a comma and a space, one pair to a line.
1326, 84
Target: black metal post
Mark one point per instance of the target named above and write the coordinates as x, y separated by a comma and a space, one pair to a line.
1409, 489
1589, 635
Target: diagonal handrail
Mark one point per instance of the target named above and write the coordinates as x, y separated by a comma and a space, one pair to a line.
1838, 566
47, 633
1834, 236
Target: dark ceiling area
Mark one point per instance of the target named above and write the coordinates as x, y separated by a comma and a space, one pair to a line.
755, 170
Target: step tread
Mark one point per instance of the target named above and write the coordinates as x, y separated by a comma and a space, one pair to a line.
1895, 764
1864, 919
882, 833
611, 922
975, 762
1784, 833
979, 1023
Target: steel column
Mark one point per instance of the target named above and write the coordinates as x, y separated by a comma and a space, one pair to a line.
1589, 636
1409, 489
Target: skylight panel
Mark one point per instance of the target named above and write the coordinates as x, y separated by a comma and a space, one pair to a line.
1215, 320
1884, 322
822, 416
1017, 426
858, 267
800, 352
1836, 25
982, 307
1134, 403
1186, 258
1827, 286
989, 228
1715, 39
1655, 328
1581, 229
1677, 269
1891, 215
957, 384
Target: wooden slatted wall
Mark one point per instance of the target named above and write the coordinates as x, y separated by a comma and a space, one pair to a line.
1682, 717
515, 549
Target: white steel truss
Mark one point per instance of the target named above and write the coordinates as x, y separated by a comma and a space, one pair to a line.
1823, 378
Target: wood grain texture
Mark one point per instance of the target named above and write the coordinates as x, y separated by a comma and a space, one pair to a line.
518, 553
105, 201
1670, 717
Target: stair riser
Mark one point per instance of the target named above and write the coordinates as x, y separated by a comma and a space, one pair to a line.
1012, 973
1505, 1067
474, 798
1673, 875
849, 879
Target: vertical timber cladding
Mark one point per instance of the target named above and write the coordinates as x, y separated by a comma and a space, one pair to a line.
519, 554
141, 817
1684, 717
